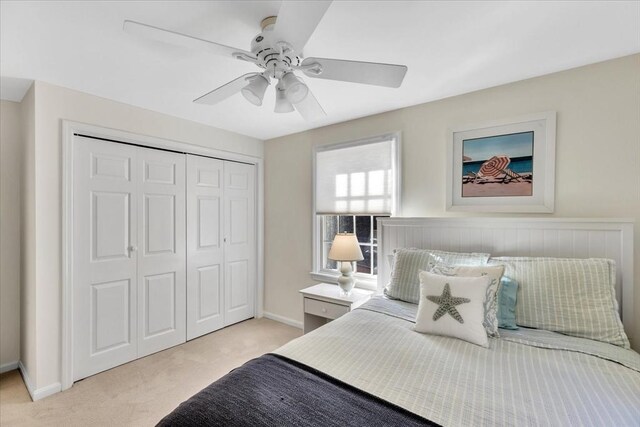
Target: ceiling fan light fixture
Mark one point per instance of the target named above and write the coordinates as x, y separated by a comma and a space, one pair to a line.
294, 90
282, 103
254, 91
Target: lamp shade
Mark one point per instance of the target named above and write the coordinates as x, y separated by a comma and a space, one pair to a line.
254, 91
282, 103
345, 247
294, 89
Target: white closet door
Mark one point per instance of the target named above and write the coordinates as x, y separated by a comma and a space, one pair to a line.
205, 276
162, 251
104, 268
240, 242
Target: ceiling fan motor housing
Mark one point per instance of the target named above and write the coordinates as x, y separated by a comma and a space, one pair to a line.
275, 56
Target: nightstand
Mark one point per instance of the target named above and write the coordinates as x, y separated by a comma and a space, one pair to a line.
323, 303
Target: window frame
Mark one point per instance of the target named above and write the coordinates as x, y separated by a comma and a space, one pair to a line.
319, 273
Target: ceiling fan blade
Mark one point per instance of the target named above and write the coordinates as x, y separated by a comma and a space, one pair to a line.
183, 40
371, 73
309, 108
297, 20
225, 91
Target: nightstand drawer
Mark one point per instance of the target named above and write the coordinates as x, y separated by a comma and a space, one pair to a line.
324, 309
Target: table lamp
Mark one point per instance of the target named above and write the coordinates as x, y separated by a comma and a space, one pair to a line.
345, 248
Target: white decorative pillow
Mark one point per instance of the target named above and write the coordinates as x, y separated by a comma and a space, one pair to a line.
453, 306
494, 273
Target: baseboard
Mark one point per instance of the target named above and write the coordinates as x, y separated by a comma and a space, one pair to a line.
41, 393
8, 367
26, 379
282, 319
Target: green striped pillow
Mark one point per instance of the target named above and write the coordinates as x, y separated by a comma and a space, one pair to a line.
571, 296
405, 283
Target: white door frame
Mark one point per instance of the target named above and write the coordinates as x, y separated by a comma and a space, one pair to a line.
69, 129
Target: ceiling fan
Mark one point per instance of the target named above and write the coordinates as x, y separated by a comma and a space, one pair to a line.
278, 51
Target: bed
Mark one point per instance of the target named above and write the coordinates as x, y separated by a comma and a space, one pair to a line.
370, 367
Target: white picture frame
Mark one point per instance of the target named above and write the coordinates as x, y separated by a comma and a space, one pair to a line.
471, 191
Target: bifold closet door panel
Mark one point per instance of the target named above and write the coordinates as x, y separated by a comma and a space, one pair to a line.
240, 245
162, 251
104, 267
205, 250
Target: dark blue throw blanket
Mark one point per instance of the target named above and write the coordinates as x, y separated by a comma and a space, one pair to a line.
275, 391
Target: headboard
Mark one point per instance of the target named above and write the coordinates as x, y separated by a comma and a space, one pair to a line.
550, 237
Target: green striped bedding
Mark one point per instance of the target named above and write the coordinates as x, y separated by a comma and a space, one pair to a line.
526, 377
573, 296
408, 262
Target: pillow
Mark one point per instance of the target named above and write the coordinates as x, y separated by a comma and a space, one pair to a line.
452, 307
405, 285
507, 303
494, 273
390, 259
571, 296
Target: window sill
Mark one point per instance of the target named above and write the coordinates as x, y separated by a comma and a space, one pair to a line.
330, 277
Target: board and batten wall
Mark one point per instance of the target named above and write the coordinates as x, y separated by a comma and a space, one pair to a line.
10, 182
597, 163
41, 327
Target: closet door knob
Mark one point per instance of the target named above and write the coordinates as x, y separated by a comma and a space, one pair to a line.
132, 248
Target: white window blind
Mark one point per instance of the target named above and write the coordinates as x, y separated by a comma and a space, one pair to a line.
356, 178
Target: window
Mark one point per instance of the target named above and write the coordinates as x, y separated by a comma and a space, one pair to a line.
355, 183
366, 229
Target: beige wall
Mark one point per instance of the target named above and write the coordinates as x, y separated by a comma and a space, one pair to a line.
597, 162
10, 178
53, 104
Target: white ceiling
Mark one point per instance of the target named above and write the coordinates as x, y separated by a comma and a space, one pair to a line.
450, 48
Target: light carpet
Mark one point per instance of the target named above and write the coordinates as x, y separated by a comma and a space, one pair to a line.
141, 392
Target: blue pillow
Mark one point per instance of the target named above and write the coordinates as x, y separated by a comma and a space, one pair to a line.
507, 303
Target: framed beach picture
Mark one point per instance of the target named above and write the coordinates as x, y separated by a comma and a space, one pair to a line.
503, 166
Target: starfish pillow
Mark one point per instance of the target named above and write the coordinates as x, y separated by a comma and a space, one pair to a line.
453, 306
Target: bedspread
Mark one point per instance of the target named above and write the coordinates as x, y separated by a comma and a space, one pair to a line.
274, 391
525, 377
